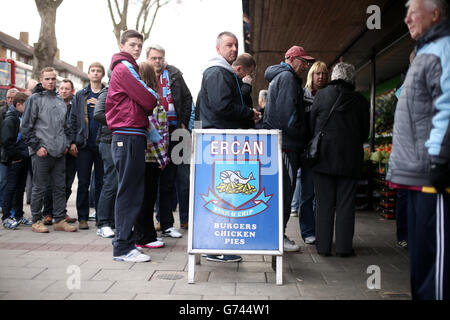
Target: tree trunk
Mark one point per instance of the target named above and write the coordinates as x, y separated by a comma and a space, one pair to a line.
45, 49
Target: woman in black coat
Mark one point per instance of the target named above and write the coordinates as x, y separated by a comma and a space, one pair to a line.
341, 156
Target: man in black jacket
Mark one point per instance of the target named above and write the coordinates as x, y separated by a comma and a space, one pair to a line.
83, 129
176, 99
285, 111
221, 101
15, 156
4, 169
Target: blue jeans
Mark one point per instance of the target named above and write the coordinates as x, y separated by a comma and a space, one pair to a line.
296, 197
105, 207
304, 201
88, 157
307, 215
3, 180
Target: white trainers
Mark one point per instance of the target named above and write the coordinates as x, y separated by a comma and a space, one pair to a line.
310, 240
10, 223
289, 245
105, 232
171, 232
133, 256
151, 245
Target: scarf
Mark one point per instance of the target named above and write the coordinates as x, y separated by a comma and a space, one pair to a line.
166, 98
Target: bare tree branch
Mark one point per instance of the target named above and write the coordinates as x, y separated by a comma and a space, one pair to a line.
146, 6
111, 13
141, 11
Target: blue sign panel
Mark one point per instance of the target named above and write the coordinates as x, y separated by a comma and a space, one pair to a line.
235, 190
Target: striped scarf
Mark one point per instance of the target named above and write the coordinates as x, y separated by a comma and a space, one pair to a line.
166, 98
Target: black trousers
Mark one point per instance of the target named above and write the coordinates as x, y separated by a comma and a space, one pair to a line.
144, 228
334, 194
15, 188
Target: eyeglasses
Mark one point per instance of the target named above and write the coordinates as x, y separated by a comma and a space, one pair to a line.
303, 60
156, 58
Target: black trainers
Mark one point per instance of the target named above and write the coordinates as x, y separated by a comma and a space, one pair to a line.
223, 258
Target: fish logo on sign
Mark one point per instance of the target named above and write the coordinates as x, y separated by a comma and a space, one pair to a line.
234, 183
235, 190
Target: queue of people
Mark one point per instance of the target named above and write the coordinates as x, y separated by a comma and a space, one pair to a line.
124, 131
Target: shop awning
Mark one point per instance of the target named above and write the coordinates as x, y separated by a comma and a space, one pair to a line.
330, 30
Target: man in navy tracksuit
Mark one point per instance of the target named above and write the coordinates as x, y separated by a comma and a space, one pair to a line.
420, 158
128, 104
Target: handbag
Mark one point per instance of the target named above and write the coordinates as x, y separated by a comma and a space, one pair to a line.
310, 155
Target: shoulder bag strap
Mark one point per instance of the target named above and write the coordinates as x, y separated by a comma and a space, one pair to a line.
331, 111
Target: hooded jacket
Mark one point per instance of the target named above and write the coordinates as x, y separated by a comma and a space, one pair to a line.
284, 109
422, 116
13, 147
341, 148
44, 123
130, 101
220, 100
104, 134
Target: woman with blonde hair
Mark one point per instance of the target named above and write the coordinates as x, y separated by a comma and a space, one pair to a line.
304, 197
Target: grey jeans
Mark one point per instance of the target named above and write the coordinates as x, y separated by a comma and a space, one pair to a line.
45, 168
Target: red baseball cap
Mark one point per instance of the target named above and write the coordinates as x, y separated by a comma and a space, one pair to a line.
296, 51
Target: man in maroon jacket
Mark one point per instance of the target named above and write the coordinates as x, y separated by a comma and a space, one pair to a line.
128, 105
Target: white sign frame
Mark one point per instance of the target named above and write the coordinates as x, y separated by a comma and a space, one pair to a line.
195, 254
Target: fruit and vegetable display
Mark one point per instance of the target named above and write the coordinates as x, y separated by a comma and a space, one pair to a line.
384, 197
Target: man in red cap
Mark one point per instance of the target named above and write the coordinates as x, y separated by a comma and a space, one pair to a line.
284, 111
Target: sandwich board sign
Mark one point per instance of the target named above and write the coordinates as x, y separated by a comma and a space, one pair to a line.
235, 195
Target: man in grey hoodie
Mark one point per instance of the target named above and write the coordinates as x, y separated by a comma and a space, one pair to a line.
44, 129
